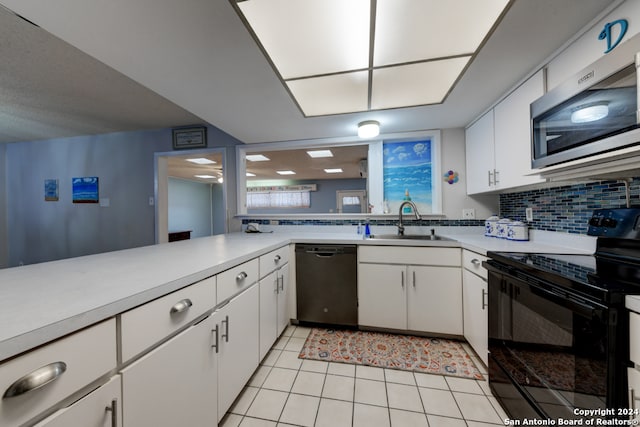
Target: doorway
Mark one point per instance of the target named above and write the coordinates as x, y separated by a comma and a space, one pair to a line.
190, 194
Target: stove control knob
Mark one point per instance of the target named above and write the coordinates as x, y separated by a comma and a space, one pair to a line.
609, 222
595, 221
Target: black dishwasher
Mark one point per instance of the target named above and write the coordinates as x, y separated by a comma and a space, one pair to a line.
327, 284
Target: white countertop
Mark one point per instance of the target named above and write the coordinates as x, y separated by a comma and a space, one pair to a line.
42, 302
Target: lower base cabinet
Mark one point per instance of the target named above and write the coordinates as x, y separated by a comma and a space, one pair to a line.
476, 320
175, 384
415, 298
238, 336
100, 408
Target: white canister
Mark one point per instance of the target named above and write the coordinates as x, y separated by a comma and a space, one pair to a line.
490, 226
518, 230
501, 228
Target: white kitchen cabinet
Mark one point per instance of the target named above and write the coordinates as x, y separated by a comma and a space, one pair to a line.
39, 379
479, 153
174, 384
434, 299
498, 145
512, 118
100, 408
382, 299
395, 295
633, 373
238, 345
475, 302
274, 289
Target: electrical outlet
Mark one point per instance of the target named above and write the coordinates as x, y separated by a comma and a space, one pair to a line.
469, 213
528, 213
151, 201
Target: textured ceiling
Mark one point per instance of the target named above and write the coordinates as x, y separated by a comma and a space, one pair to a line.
49, 89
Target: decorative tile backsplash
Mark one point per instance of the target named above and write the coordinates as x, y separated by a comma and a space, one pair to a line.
568, 208
373, 221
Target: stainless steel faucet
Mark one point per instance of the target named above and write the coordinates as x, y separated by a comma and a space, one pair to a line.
415, 211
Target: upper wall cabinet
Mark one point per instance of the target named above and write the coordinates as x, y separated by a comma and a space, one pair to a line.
498, 145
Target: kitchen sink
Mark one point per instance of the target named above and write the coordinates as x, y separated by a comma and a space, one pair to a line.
409, 237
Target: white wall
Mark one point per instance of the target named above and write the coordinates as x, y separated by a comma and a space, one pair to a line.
190, 207
454, 196
4, 238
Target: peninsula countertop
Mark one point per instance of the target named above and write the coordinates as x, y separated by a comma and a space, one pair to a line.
43, 302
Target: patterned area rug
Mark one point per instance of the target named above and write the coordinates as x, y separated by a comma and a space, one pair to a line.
410, 353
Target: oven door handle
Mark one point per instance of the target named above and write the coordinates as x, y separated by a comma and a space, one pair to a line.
582, 307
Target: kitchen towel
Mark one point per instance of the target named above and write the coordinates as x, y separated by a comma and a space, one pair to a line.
420, 354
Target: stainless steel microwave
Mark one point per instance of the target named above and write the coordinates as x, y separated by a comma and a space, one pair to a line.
595, 111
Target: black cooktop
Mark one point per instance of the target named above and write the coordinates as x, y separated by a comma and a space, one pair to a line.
596, 276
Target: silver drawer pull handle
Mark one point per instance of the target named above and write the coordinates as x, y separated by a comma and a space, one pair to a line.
475, 262
114, 412
36, 379
181, 306
484, 301
225, 322
216, 345
277, 258
241, 276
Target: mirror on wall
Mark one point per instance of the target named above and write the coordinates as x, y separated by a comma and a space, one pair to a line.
318, 180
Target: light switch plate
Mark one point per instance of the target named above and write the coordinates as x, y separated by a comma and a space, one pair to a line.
528, 213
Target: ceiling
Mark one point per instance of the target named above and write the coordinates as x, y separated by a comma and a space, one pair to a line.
194, 62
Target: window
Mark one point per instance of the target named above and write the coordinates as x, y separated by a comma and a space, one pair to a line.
419, 173
276, 200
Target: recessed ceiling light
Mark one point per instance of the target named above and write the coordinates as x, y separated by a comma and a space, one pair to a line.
251, 174
286, 172
201, 161
256, 158
336, 170
320, 153
205, 176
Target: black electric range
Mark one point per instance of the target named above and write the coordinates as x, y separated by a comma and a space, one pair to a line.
558, 327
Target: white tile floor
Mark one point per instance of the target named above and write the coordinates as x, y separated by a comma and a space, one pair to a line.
287, 391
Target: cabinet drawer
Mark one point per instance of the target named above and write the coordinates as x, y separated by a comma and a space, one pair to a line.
634, 339
410, 255
236, 279
273, 260
90, 411
72, 362
150, 323
473, 262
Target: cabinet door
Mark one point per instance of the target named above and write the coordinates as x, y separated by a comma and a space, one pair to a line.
100, 408
479, 149
382, 300
283, 299
513, 135
474, 301
269, 288
238, 325
175, 384
434, 302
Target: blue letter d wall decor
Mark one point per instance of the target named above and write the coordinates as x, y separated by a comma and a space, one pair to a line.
605, 34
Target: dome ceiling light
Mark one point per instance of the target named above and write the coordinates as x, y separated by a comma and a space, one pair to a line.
368, 129
337, 56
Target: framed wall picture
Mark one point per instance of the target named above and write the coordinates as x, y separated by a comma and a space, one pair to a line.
85, 189
192, 137
51, 190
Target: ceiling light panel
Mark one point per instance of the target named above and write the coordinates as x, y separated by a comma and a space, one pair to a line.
320, 153
335, 170
201, 161
285, 172
256, 158
311, 37
417, 30
335, 94
415, 84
